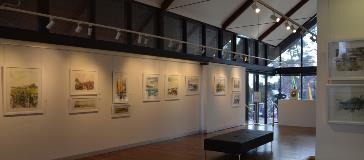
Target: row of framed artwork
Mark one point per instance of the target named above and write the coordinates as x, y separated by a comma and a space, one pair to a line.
345, 90
220, 89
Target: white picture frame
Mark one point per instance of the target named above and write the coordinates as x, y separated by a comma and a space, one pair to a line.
345, 104
220, 85
236, 99
193, 85
346, 60
236, 84
151, 87
24, 80
120, 110
83, 104
83, 82
120, 88
172, 88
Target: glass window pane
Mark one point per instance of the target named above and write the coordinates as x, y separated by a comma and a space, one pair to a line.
74, 9
251, 50
291, 57
240, 48
309, 88
261, 53
211, 41
309, 50
172, 28
114, 10
227, 40
194, 35
290, 82
273, 90
143, 20
19, 20
273, 54
250, 98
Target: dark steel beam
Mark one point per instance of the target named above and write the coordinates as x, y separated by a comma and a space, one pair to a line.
236, 13
165, 4
305, 71
288, 14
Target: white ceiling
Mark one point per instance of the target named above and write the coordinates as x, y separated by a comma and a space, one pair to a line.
215, 12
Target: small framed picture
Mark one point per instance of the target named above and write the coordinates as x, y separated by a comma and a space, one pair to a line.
120, 110
83, 82
172, 87
151, 87
345, 103
220, 85
236, 85
236, 101
120, 87
192, 85
83, 104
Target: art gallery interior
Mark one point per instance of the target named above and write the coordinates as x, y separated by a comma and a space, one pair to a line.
182, 79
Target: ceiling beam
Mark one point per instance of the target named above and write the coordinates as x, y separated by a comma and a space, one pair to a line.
236, 14
165, 4
288, 14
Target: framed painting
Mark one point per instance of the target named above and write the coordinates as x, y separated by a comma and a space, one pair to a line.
120, 87
345, 103
22, 91
346, 60
220, 85
236, 101
151, 87
83, 104
192, 85
172, 87
83, 82
236, 85
120, 110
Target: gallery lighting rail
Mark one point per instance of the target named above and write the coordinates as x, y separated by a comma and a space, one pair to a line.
313, 35
118, 30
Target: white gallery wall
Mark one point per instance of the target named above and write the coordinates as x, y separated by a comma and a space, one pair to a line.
57, 134
337, 20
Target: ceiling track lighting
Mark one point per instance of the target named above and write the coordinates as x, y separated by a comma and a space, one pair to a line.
50, 24
78, 28
275, 18
256, 8
139, 39
118, 34
89, 30
203, 50
288, 27
180, 46
294, 30
170, 44
146, 41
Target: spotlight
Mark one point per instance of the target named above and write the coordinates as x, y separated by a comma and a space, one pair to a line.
140, 39
89, 30
246, 59
294, 30
117, 36
255, 7
203, 50
170, 44
275, 18
78, 28
180, 46
50, 24
146, 41
288, 27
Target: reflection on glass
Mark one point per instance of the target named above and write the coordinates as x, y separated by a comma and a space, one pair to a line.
250, 99
309, 50
309, 88
291, 57
289, 82
273, 90
262, 95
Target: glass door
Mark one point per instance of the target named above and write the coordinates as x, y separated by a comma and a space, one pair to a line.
272, 99
250, 110
256, 106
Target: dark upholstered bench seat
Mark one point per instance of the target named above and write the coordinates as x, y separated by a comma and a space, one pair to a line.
238, 142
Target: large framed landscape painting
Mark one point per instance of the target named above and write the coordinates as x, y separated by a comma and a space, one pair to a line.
83, 82
22, 91
346, 60
120, 87
151, 87
83, 104
172, 87
346, 103
192, 85
220, 85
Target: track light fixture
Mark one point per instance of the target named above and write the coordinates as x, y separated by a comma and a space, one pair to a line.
78, 28
170, 44
203, 50
89, 30
246, 59
275, 18
294, 30
50, 24
180, 46
255, 8
117, 36
139, 39
146, 41
288, 27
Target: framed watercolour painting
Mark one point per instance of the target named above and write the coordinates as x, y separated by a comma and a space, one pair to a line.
192, 85
83, 82
120, 87
22, 91
345, 103
172, 87
346, 60
220, 85
236, 84
151, 87
236, 102
83, 104
120, 110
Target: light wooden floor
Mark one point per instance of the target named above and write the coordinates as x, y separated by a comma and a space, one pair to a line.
290, 143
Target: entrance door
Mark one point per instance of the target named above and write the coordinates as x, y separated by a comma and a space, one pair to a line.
256, 110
